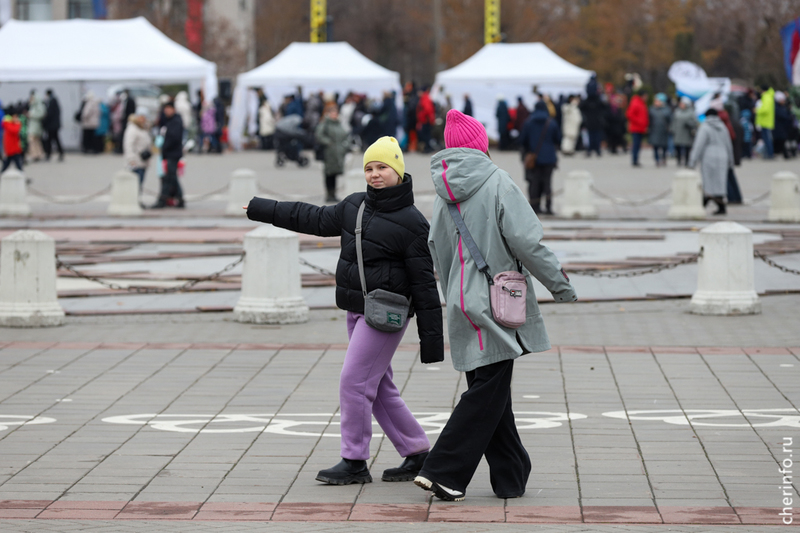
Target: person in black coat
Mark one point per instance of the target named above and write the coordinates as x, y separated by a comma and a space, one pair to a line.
784, 123
467, 106
50, 126
503, 118
594, 111
388, 116
171, 152
542, 142
396, 258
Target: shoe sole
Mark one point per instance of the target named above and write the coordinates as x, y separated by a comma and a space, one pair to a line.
346, 481
438, 491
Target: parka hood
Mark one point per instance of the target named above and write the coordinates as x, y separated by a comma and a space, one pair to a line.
716, 123
458, 173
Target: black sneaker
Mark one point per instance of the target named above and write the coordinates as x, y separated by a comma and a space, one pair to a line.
407, 470
440, 491
345, 473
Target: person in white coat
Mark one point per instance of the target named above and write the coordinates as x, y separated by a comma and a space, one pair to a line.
713, 149
571, 120
266, 124
136, 146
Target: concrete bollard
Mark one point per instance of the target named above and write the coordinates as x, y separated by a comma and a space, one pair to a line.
13, 201
687, 196
784, 198
354, 181
28, 281
271, 279
578, 201
124, 195
241, 190
725, 280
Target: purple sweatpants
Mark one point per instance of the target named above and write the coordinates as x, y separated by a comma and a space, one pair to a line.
366, 389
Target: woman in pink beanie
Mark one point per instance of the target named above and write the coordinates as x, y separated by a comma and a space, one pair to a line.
507, 233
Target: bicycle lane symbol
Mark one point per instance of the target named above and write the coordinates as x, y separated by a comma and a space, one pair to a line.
308, 424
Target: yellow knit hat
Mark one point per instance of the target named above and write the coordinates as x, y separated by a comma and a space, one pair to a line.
386, 150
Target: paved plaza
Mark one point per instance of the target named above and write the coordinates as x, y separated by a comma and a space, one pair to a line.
159, 412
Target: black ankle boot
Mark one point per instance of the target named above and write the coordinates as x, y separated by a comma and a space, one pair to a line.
706, 199
720, 206
345, 473
407, 470
548, 205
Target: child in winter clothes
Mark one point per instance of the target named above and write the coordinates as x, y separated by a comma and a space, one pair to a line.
396, 258
506, 231
12, 145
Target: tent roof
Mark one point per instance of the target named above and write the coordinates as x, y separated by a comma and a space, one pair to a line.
515, 62
318, 63
84, 50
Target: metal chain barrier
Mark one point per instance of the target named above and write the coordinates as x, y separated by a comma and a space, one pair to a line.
140, 289
54, 200
757, 199
772, 263
317, 268
633, 273
196, 198
631, 203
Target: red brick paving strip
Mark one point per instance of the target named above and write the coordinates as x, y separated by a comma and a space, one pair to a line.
373, 512
767, 350
78, 514
621, 515
340, 512
545, 514
465, 513
698, 515
159, 510
312, 512
19, 513
761, 516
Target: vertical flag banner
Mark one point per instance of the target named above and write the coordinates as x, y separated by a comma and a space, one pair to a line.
790, 37
193, 29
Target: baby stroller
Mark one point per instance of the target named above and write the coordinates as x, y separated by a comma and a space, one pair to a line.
289, 138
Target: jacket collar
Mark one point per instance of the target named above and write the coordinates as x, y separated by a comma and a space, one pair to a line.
391, 198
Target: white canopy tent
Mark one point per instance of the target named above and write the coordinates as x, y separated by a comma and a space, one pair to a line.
74, 56
330, 67
511, 70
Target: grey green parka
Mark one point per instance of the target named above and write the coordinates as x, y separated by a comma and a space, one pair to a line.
503, 226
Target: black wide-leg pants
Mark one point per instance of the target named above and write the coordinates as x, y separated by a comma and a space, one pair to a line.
482, 424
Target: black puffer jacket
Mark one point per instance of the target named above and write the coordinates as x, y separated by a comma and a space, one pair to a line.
395, 245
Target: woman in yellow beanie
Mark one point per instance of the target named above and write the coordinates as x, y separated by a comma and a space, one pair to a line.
396, 258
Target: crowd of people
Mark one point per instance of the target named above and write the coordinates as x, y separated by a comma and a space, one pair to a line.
30, 129
756, 123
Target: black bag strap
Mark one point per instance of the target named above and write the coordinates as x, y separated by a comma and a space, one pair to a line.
359, 253
541, 137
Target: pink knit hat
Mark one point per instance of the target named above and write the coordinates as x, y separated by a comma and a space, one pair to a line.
463, 131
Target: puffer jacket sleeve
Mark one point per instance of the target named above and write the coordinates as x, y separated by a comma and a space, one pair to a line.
425, 299
523, 234
323, 221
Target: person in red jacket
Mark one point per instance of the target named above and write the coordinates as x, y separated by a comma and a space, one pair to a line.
426, 114
11, 142
638, 122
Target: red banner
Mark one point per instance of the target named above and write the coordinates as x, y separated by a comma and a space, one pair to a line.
194, 26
